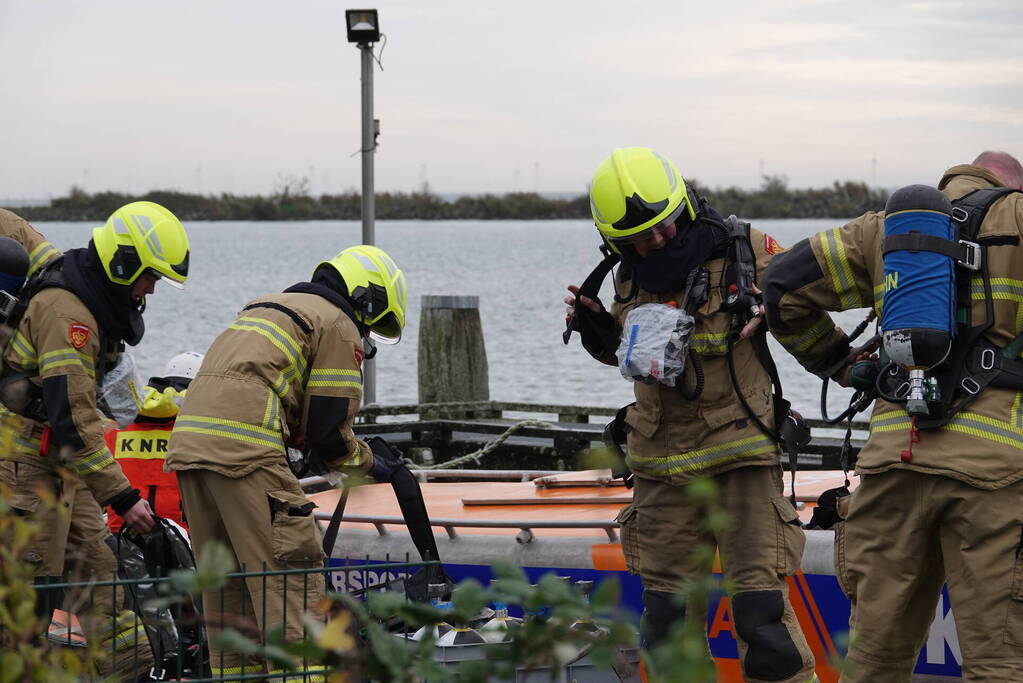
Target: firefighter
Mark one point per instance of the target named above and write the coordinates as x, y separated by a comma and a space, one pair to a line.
668, 239
286, 373
40, 251
141, 447
81, 308
940, 496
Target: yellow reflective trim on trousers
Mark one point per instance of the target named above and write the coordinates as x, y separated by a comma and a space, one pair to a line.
40, 255
334, 377
65, 357
310, 674
704, 458
224, 672
25, 350
93, 462
710, 342
839, 269
230, 429
808, 337
129, 639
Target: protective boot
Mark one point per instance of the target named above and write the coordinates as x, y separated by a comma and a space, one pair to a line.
771, 653
661, 611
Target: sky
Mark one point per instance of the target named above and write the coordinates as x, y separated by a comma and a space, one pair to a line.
240, 96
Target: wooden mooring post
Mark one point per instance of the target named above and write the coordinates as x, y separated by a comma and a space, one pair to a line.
452, 354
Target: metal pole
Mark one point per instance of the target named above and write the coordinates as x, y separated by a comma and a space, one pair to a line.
369, 393
368, 145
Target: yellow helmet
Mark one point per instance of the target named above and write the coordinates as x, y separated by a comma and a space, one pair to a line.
376, 287
140, 236
636, 189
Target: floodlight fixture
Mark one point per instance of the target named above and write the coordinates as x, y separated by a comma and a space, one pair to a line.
363, 26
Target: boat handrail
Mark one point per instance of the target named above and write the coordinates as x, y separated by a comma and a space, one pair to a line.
525, 526
433, 474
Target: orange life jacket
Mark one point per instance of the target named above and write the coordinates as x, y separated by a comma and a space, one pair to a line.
140, 449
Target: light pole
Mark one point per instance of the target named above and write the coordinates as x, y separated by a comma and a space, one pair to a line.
364, 29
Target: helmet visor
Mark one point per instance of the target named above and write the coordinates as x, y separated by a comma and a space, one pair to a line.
386, 330
644, 234
173, 283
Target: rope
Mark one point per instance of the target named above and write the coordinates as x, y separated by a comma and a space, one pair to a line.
486, 450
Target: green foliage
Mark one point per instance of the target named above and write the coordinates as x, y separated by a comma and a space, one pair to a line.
356, 643
357, 640
291, 201
26, 656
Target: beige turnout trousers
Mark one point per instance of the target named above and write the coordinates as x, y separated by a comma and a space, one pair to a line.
904, 534
70, 543
267, 523
761, 546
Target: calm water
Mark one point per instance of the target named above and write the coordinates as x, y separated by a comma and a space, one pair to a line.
518, 269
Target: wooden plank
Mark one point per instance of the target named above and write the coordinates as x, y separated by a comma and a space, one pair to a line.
562, 500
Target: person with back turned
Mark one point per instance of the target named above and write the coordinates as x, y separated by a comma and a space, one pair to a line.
716, 422
287, 372
940, 496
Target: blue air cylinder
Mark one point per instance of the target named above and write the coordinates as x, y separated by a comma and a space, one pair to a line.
918, 318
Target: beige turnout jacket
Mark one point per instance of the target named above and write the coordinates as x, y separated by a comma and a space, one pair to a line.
253, 392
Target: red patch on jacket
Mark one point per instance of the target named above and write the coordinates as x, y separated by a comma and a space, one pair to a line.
78, 334
359, 355
771, 245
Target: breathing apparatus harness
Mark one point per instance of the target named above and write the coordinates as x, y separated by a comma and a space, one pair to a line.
12, 310
973, 362
732, 242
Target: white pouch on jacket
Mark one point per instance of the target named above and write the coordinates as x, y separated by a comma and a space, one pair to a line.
654, 344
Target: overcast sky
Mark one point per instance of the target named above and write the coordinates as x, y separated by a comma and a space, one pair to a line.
477, 96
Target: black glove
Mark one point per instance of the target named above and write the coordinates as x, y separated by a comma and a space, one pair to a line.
386, 459
597, 329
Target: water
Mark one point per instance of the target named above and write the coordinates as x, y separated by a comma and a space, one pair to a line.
519, 270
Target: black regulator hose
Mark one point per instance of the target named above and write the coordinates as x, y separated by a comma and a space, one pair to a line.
772, 434
860, 399
697, 365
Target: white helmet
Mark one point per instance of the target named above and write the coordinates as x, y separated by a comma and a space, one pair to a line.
184, 365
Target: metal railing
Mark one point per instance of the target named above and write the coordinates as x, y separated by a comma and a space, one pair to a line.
122, 628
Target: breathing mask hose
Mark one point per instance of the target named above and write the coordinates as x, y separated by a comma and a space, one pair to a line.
697, 365
865, 393
730, 357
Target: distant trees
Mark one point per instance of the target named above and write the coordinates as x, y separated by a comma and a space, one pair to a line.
774, 199
291, 201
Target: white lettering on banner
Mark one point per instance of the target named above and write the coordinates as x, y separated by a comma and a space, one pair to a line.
943, 630
344, 582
